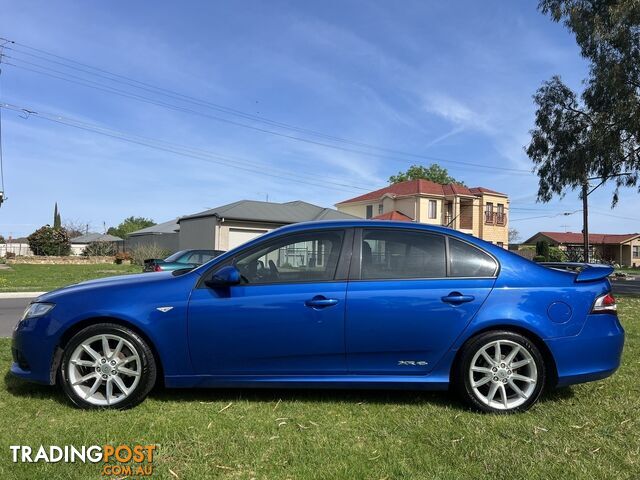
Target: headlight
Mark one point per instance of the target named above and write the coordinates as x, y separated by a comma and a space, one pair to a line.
37, 310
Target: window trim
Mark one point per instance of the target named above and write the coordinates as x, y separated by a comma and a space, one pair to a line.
366, 211
342, 268
355, 270
435, 209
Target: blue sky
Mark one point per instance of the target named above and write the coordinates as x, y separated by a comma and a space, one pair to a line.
446, 80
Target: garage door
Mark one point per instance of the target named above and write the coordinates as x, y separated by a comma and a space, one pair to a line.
238, 236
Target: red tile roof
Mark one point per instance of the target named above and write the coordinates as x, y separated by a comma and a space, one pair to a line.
594, 238
416, 187
395, 215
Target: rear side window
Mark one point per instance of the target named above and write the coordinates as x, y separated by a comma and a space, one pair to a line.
469, 261
402, 254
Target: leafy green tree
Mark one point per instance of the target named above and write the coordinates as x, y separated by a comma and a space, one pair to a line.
48, 240
596, 132
130, 224
542, 249
433, 172
57, 221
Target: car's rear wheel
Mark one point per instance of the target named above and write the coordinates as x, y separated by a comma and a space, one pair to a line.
107, 366
501, 372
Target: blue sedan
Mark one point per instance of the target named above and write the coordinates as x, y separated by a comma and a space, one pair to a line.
358, 304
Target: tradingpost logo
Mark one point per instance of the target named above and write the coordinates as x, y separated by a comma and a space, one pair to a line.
115, 459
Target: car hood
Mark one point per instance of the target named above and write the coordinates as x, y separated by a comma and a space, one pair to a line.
137, 280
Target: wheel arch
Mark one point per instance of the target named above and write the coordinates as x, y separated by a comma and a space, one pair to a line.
76, 327
552, 377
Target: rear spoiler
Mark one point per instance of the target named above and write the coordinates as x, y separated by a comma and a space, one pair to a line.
587, 272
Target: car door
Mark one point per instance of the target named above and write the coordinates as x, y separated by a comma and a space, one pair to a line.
411, 294
287, 315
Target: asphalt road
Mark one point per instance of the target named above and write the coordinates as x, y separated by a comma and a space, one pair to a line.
11, 308
10, 311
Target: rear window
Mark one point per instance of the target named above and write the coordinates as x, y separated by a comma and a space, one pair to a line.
402, 254
469, 261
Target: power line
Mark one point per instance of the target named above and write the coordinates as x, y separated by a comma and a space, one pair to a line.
44, 70
200, 154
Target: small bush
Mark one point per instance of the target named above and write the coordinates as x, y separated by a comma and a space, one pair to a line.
556, 255
10, 255
539, 258
49, 241
141, 253
542, 249
99, 249
122, 257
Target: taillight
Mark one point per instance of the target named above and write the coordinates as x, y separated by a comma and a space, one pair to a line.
157, 268
605, 304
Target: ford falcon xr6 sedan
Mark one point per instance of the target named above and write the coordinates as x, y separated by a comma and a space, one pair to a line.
357, 304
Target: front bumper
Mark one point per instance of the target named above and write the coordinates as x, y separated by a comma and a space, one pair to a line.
33, 351
593, 354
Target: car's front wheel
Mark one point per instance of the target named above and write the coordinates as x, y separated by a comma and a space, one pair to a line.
107, 366
501, 372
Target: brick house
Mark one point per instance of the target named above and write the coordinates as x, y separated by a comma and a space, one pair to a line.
623, 249
478, 211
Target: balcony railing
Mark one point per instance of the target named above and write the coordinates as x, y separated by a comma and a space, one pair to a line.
495, 218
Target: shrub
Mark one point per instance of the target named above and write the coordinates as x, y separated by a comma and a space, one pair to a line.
539, 258
9, 255
542, 249
140, 253
99, 249
556, 255
49, 241
122, 257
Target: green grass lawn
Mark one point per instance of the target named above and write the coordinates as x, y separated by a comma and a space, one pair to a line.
42, 278
586, 431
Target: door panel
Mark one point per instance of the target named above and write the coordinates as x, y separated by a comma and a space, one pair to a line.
267, 329
287, 316
403, 327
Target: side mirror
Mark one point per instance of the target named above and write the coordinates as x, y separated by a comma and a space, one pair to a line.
225, 277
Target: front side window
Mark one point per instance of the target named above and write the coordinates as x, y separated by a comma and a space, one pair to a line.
380, 209
369, 211
432, 209
636, 251
309, 257
402, 254
469, 261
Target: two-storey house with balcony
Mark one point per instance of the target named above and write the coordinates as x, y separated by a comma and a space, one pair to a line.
478, 211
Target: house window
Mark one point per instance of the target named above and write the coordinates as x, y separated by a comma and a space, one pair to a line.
380, 208
432, 209
500, 217
501, 244
488, 213
369, 211
636, 251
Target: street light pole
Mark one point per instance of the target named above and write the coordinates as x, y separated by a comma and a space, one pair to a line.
585, 221
585, 209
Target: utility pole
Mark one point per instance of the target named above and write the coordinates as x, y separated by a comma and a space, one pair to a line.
585, 208
585, 220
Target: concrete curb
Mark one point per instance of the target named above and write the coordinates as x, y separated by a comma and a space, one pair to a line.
20, 294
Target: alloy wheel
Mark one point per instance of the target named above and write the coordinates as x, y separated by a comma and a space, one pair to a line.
104, 369
503, 374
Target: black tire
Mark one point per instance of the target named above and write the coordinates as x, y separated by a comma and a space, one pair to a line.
148, 369
462, 376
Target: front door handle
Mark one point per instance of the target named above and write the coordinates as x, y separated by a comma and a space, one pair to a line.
320, 301
456, 298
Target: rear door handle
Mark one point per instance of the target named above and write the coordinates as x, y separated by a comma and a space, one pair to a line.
320, 301
456, 298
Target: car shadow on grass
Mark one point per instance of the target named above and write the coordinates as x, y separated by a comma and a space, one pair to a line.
444, 399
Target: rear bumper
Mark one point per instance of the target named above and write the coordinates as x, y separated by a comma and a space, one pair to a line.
593, 354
